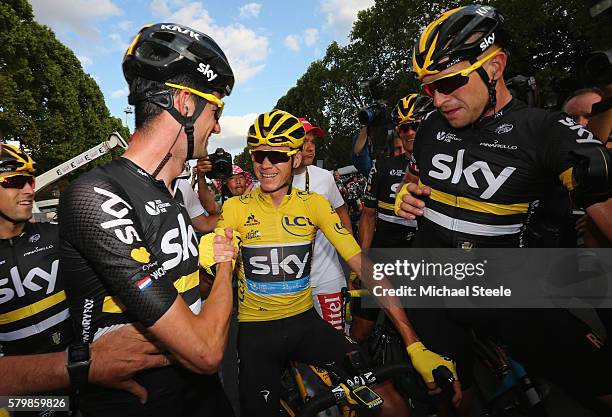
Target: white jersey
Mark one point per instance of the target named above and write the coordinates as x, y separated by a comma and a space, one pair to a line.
326, 275
190, 198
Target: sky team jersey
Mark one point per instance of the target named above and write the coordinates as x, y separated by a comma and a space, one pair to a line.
487, 178
383, 182
276, 251
128, 250
34, 314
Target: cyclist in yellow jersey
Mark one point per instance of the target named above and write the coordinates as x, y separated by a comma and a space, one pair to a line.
277, 225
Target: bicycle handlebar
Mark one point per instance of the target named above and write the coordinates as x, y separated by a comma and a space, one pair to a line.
335, 394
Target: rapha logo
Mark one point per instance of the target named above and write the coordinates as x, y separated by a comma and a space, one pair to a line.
505, 128
488, 41
207, 71
141, 172
447, 137
156, 207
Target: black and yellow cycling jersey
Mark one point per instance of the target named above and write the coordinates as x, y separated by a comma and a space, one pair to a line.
34, 315
487, 178
276, 250
128, 250
383, 183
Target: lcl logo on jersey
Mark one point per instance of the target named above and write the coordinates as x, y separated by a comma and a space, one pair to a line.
119, 209
444, 171
295, 225
36, 279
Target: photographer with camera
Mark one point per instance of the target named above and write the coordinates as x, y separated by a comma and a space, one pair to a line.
217, 165
373, 120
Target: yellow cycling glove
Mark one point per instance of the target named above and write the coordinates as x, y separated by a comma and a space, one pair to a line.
425, 361
207, 256
398, 197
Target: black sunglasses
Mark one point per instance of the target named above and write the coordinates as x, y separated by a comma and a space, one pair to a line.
446, 85
407, 126
17, 181
275, 157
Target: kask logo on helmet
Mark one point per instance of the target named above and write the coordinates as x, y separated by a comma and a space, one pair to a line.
184, 31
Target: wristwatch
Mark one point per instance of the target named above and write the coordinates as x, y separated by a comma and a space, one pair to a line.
78, 365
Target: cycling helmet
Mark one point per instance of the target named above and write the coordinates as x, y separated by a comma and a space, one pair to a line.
276, 128
443, 43
411, 109
162, 51
14, 159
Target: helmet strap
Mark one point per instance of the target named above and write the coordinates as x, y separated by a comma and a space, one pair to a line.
187, 123
15, 222
491, 84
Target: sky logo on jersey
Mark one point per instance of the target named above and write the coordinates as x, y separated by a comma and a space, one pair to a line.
122, 224
443, 171
282, 269
144, 283
298, 226
584, 135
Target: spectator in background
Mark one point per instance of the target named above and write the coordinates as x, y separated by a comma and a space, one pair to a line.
580, 103
202, 221
327, 277
206, 196
239, 183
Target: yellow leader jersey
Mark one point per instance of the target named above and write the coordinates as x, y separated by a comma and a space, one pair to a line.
276, 250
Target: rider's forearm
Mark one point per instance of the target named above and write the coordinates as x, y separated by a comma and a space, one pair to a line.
367, 223
28, 374
207, 199
601, 214
345, 218
216, 312
363, 266
361, 141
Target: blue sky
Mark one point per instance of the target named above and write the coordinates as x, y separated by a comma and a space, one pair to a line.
269, 43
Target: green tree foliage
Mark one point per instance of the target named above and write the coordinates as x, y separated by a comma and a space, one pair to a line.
47, 102
549, 39
243, 160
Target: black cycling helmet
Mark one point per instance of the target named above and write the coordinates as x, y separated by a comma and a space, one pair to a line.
443, 43
411, 109
162, 51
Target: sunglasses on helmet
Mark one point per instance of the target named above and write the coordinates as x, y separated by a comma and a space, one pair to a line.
17, 181
275, 157
451, 82
211, 98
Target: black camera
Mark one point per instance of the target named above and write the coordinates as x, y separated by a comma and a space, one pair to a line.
375, 113
598, 68
221, 165
524, 89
